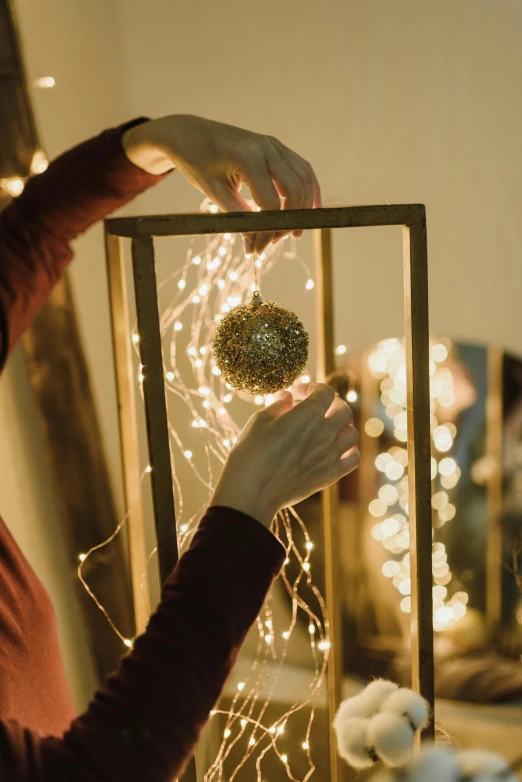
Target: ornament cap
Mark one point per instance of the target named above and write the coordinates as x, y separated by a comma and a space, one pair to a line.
257, 299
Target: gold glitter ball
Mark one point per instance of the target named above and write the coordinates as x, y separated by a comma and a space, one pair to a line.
260, 347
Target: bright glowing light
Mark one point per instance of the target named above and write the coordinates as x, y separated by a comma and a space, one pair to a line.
45, 82
324, 645
170, 375
221, 284
135, 339
374, 427
309, 545
216, 371
280, 729
187, 454
14, 186
311, 629
286, 635
82, 557
204, 390
377, 508
241, 686
203, 290
310, 285
340, 350
227, 398
148, 468
284, 758
233, 276
304, 379
182, 284
178, 326
351, 396
268, 638
198, 363
390, 568
213, 208
39, 163
306, 566
226, 734
128, 643
259, 400
439, 352
305, 745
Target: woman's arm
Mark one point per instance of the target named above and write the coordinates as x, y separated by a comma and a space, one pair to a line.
145, 724
79, 188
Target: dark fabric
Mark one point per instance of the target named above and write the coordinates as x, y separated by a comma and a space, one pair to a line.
145, 723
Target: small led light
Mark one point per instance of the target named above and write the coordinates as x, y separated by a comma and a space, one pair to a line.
195, 300
286, 635
135, 338
195, 424
45, 82
352, 396
252, 741
305, 745
324, 645
221, 284
148, 468
213, 208
222, 411
198, 363
311, 629
241, 686
304, 379
187, 454
204, 390
227, 398
287, 561
272, 729
233, 276
216, 371
170, 375
203, 290
306, 566
280, 729
309, 545
310, 285
259, 400
268, 638
82, 557
284, 758
243, 723
196, 260
206, 404
226, 734
184, 527
178, 326
222, 251
340, 350
182, 284
128, 643
227, 236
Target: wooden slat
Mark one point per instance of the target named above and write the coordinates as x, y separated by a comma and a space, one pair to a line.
494, 430
415, 259
248, 222
325, 366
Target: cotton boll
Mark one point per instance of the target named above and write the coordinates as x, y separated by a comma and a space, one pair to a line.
410, 704
481, 766
352, 742
434, 765
391, 737
352, 707
374, 695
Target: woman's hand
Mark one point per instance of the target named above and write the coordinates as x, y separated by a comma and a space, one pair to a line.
218, 158
285, 453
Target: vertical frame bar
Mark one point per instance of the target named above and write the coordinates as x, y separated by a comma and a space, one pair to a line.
125, 387
494, 416
145, 289
416, 323
147, 310
329, 497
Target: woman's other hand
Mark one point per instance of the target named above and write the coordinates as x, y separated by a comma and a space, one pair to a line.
287, 452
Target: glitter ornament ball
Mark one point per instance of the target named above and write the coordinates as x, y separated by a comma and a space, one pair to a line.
260, 347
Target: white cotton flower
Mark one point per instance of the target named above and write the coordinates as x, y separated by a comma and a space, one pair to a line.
352, 741
391, 736
481, 766
374, 695
410, 704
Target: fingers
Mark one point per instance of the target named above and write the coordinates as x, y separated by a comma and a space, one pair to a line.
348, 438
320, 399
228, 198
349, 462
300, 168
257, 176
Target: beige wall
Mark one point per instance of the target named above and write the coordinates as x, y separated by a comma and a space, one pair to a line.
391, 101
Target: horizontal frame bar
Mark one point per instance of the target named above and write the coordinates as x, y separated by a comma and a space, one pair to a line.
284, 220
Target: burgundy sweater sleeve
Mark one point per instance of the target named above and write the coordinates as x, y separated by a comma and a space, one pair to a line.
145, 723
79, 188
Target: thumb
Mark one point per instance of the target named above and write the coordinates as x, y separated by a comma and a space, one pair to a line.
283, 404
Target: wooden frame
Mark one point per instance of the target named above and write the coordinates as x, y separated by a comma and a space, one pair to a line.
141, 230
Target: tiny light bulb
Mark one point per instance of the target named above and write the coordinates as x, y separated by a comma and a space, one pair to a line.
259, 400
233, 276
148, 468
287, 561
351, 396
221, 411
284, 758
268, 638
216, 371
128, 643
306, 566
305, 745
272, 729
82, 557
324, 645
241, 686
135, 338
204, 390
196, 260
182, 284
198, 363
243, 723
170, 375
195, 424
311, 629
203, 351
45, 82
286, 635
252, 741
227, 236
13, 186
202, 423
309, 545
196, 299
140, 377
213, 208
187, 454
39, 163
222, 251
192, 352
227, 398
226, 443
178, 326
304, 379
340, 350
226, 734
268, 623
206, 404
310, 285
221, 284
203, 290
213, 712
259, 263
280, 729
184, 527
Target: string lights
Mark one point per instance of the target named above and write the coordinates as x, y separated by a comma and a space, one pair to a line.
387, 363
